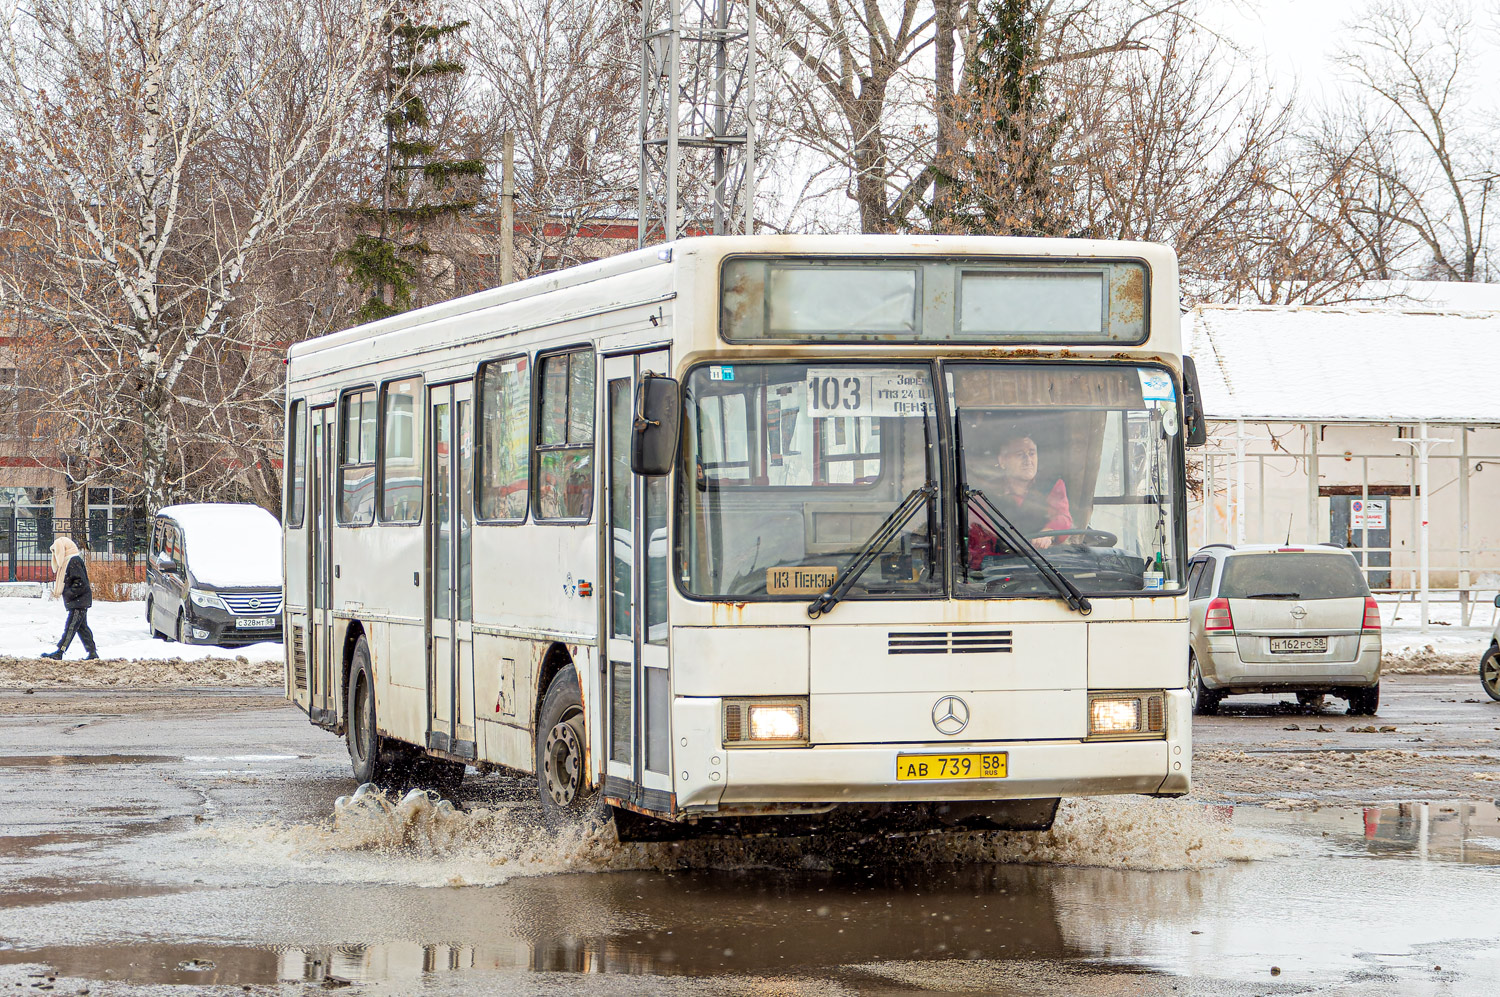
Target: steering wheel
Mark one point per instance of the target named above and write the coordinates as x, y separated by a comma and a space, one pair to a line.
1091, 536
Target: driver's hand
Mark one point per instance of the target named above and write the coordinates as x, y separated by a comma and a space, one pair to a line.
1041, 542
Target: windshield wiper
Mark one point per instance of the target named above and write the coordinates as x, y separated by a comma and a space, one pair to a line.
865, 556
1003, 528
1016, 540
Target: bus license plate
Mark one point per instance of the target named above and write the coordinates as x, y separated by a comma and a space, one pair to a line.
1285, 645
255, 623
963, 766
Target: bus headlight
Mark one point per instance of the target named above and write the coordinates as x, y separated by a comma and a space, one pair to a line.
763, 721
1123, 715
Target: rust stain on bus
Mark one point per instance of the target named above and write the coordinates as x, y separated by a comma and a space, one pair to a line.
732, 613
1127, 300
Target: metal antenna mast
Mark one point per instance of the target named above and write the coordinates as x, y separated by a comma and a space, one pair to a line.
697, 118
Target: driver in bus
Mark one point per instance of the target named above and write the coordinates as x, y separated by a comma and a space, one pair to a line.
1033, 509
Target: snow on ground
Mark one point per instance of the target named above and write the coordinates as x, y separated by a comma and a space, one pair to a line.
1448, 647
129, 655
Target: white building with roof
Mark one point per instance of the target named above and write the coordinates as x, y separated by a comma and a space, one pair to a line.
1325, 422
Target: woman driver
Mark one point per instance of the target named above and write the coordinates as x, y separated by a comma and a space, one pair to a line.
1017, 496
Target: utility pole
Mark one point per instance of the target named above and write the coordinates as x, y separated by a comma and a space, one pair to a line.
697, 124
508, 208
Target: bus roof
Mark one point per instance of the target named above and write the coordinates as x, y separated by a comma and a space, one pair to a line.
711, 249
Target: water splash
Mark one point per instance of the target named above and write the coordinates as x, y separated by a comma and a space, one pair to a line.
421, 839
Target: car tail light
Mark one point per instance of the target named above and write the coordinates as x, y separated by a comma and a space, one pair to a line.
1372, 614
1217, 618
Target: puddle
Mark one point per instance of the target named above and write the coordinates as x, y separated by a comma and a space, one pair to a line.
45, 761
201, 965
1446, 832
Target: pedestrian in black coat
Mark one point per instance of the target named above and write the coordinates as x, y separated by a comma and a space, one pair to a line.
72, 583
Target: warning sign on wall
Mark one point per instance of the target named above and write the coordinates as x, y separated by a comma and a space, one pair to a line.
1367, 514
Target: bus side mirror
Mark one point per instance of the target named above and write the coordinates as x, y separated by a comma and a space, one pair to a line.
658, 416
1195, 425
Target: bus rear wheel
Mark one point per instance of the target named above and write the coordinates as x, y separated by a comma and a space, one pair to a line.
361, 730
562, 778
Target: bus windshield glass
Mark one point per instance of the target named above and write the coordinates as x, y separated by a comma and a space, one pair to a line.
794, 468
1081, 460
799, 473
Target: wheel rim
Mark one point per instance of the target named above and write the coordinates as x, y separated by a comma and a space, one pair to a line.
1195, 681
1490, 672
563, 762
362, 718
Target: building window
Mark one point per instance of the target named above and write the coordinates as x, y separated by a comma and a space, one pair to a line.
565, 437
504, 433
116, 521
401, 452
357, 458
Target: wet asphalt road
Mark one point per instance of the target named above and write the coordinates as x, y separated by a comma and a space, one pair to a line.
182, 842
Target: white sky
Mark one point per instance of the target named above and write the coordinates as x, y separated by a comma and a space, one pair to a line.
1297, 38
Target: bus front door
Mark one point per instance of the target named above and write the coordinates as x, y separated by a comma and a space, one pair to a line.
639, 696
323, 673
450, 609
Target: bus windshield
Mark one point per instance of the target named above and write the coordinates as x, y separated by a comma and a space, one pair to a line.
1081, 461
792, 469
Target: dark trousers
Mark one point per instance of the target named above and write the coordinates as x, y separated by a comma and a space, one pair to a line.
78, 623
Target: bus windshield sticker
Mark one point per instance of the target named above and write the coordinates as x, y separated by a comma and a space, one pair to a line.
805, 580
718, 373
860, 391
1156, 385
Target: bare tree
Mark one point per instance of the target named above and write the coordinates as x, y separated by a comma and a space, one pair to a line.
158, 154
562, 75
1424, 149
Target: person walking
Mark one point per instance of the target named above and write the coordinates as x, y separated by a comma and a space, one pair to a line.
72, 583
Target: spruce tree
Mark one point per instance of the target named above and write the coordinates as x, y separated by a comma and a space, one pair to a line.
420, 182
1004, 180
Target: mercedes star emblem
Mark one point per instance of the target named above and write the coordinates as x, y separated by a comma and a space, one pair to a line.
950, 715
1298, 612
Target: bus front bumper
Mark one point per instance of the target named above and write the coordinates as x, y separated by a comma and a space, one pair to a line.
866, 773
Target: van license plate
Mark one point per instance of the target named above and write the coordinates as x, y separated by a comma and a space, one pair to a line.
1291, 645
990, 765
255, 623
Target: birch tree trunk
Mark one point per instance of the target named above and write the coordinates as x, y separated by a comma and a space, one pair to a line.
162, 153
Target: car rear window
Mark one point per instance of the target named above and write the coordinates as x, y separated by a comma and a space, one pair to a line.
1292, 576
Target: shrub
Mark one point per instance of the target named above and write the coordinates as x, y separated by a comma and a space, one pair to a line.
115, 580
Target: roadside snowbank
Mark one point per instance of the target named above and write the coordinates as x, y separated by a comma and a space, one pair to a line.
129, 655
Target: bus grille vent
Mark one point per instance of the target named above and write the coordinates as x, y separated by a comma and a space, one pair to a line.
945, 642
299, 658
734, 722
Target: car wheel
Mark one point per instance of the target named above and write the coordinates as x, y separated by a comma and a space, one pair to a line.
1489, 672
1205, 700
562, 778
1364, 702
181, 628
151, 619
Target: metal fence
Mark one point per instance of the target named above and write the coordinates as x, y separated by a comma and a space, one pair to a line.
26, 542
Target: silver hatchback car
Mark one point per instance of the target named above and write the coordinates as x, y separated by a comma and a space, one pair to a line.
1285, 618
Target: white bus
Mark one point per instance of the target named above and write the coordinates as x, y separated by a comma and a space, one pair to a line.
755, 533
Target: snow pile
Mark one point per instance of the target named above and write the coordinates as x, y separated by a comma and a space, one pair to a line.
28, 627
423, 840
230, 545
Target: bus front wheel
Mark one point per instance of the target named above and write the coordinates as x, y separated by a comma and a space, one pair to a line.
567, 797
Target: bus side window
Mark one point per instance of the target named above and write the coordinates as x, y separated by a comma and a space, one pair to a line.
565, 437
400, 452
504, 439
357, 459
297, 485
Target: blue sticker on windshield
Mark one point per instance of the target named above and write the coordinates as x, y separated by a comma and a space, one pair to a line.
1156, 385
718, 373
